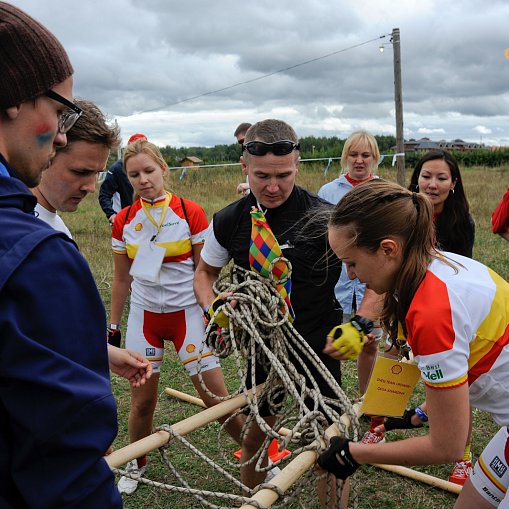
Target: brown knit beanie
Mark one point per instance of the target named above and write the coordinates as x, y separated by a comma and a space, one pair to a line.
32, 61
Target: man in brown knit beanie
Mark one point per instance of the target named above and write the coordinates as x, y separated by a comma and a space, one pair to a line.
57, 412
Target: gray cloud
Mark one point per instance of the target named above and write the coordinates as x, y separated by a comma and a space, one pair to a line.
130, 57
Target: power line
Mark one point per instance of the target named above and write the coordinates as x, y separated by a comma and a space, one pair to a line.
259, 77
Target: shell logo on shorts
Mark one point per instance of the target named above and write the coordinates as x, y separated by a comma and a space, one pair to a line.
190, 348
138, 227
397, 369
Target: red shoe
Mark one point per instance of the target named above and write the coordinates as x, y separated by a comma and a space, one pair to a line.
371, 437
461, 471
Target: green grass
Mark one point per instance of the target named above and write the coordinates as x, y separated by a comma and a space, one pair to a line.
213, 189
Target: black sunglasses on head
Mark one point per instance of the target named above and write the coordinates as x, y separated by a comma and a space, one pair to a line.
278, 148
67, 120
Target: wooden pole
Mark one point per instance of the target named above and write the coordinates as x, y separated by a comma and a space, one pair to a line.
185, 397
419, 476
293, 471
158, 439
398, 97
199, 402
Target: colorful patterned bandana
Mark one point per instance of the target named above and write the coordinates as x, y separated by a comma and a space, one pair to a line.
263, 249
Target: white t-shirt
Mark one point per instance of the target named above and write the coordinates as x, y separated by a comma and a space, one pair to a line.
53, 219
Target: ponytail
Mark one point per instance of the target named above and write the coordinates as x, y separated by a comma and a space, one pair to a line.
378, 210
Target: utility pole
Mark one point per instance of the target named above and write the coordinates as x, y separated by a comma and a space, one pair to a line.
400, 141
119, 149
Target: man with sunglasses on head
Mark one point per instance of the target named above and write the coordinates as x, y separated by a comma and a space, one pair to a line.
240, 134
271, 160
57, 412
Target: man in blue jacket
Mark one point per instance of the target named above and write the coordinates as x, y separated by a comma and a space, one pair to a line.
57, 412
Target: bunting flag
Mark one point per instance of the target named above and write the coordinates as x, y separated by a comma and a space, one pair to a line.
263, 249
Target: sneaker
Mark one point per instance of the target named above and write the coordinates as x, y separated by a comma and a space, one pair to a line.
371, 437
461, 471
126, 484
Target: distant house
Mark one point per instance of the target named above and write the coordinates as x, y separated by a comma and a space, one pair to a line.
425, 145
190, 161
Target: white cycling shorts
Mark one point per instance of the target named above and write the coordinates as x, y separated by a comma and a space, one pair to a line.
490, 476
147, 331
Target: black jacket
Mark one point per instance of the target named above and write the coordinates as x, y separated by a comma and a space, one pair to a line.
116, 181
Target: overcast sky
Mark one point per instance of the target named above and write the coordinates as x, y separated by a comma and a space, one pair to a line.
132, 56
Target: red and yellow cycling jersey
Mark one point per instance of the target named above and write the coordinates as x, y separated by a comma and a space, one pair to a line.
180, 231
457, 327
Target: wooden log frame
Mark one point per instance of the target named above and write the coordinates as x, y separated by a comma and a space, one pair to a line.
160, 438
404, 471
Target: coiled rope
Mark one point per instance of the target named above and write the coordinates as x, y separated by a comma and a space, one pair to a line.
260, 334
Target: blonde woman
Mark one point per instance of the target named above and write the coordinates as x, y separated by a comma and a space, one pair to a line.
359, 161
157, 243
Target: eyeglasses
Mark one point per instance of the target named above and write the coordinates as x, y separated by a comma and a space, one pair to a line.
67, 120
278, 148
241, 141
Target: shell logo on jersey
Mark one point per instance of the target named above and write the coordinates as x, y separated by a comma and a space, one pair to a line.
396, 370
138, 227
190, 348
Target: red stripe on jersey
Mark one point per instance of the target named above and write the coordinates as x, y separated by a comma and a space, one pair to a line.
179, 258
442, 388
430, 305
485, 363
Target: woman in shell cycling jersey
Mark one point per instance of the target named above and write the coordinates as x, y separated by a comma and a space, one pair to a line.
157, 244
455, 315
438, 176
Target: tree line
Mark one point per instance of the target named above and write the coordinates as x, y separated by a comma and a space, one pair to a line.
312, 147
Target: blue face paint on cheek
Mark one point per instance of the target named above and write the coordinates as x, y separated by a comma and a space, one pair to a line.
44, 134
43, 139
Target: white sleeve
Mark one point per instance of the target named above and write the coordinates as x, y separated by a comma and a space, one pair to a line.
213, 253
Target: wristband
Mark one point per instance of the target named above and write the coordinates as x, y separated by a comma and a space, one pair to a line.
404, 422
420, 413
362, 324
114, 326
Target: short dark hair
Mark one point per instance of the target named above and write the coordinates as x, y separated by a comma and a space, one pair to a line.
269, 131
242, 128
92, 126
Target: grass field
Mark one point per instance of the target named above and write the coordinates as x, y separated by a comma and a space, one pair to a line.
213, 189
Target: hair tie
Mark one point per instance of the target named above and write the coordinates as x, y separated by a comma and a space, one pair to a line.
416, 201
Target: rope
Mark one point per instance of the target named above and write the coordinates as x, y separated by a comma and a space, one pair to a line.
261, 337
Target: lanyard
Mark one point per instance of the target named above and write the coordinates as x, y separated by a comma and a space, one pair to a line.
163, 213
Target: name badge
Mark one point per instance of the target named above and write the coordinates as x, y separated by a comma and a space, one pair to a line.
390, 387
147, 262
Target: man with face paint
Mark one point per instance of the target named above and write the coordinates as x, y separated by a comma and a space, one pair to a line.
57, 412
72, 173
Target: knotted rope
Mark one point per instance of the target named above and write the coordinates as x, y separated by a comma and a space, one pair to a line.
260, 336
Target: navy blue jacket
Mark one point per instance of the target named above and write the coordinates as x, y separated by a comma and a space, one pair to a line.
116, 181
57, 412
